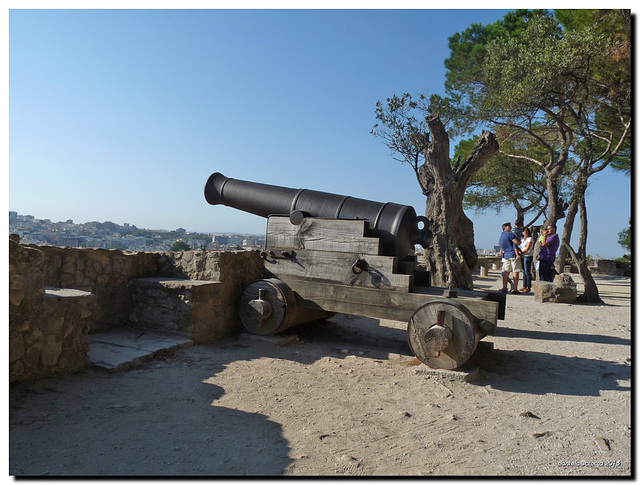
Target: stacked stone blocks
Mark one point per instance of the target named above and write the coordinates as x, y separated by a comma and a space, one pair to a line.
194, 290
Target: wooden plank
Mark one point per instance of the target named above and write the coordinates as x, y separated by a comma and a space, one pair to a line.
321, 234
378, 303
336, 267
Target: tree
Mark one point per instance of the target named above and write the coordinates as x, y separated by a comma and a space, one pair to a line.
624, 238
504, 181
521, 94
180, 245
418, 137
603, 132
536, 83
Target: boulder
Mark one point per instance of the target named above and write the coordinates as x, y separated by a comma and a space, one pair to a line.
562, 290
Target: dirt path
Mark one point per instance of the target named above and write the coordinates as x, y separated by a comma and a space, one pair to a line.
553, 398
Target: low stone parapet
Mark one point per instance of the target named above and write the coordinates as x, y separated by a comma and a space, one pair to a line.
103, 272
53, 339
225, 266
610, 267
47, 326
485, 263
59, 295
195, 309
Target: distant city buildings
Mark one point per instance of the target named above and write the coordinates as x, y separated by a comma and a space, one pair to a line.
489, 252
109, 235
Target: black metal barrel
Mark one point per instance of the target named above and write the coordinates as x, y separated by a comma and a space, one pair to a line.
397, 226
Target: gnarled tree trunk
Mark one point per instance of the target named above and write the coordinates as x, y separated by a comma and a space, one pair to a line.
591, 294
578, 205
579, 188
452, 257
584, 225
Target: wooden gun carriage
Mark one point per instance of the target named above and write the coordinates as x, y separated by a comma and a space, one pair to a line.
327, 253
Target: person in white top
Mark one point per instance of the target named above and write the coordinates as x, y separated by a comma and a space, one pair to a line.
526, 246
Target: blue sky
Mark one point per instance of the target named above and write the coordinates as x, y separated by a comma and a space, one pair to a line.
122, 115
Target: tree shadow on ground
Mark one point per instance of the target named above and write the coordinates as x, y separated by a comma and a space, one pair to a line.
521, 371
134, 424
563, 336
162, 419
356, 334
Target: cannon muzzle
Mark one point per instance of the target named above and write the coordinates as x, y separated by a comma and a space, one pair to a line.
397, 226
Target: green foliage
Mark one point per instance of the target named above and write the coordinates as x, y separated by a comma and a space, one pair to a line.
538, 72
624, 238
613, 70
554, 93
523, 67
180, 245
466, 66
502, 182
623, 165
468, 48
400, 122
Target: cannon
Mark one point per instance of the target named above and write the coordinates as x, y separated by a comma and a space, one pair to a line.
397, 226
328, 253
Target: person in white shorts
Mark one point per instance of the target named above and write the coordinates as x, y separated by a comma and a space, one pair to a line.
509, 245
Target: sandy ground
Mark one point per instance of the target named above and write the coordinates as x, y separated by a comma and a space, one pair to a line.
341, 398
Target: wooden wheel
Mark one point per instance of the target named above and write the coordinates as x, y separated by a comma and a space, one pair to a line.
443, 334
266, 306
270, 306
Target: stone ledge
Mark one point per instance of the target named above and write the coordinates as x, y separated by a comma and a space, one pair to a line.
172, 283
51, 292
198, 309
126, 347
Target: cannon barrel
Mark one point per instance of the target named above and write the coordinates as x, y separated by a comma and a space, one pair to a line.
397, 226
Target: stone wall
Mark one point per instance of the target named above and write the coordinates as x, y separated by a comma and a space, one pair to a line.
47, 326
103, 272
610, 267
236, 269
197, 293
59, 295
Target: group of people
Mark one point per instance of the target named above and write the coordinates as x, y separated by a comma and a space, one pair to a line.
518, 252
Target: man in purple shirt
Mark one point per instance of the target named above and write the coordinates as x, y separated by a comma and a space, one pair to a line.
549, 246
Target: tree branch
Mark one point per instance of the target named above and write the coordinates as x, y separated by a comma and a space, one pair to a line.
613, 153
522, 157
437, 150
484, 150
529, 131
416, 169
